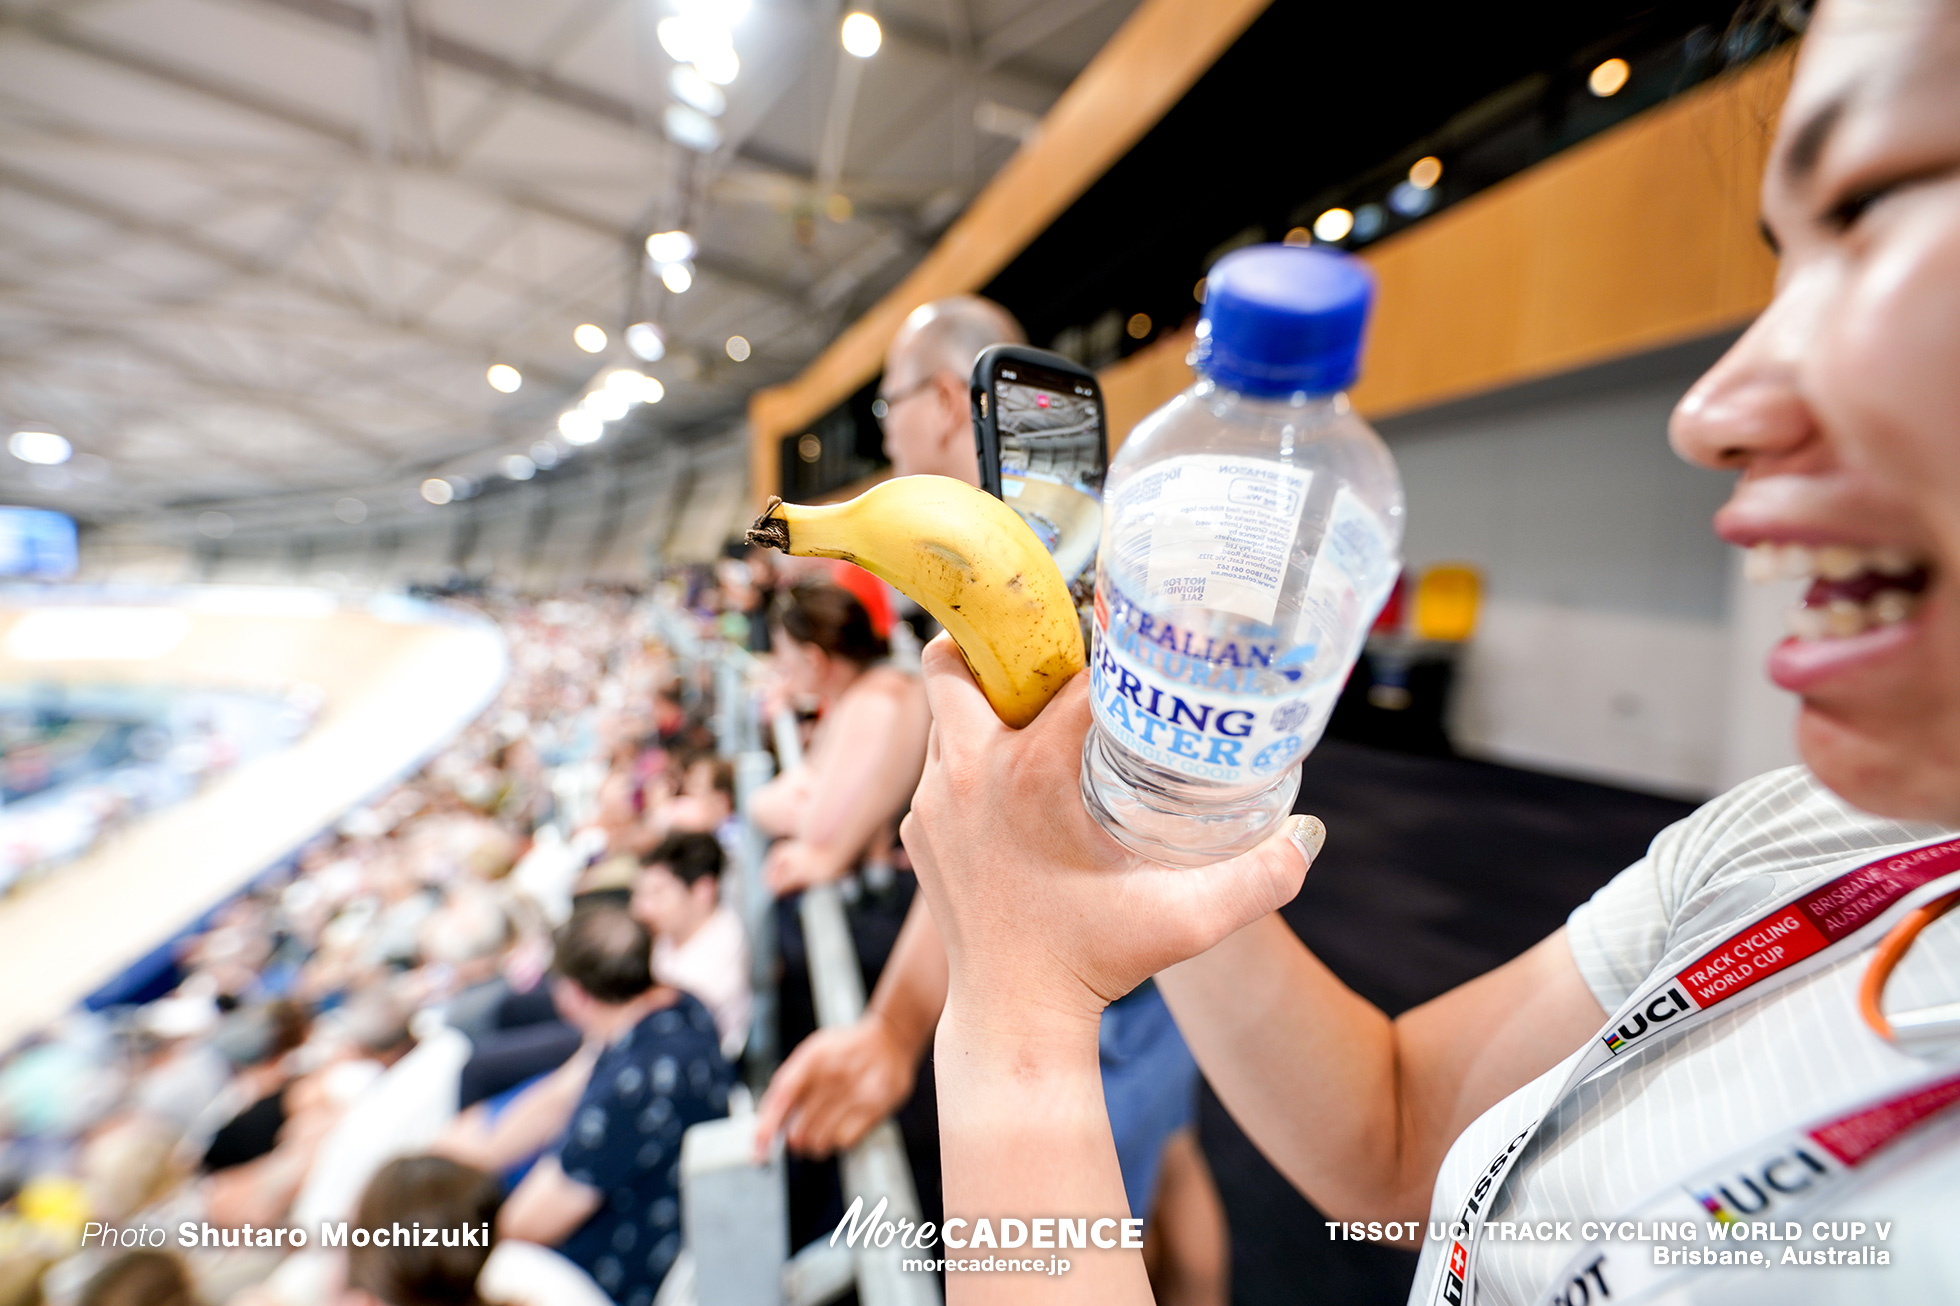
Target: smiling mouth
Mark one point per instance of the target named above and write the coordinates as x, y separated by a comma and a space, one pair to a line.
1852, 589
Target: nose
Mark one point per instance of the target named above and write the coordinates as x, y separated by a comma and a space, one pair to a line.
1749, 407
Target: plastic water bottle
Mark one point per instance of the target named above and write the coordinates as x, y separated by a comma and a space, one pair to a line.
1252, 529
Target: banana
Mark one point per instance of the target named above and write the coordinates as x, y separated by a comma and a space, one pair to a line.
969, 560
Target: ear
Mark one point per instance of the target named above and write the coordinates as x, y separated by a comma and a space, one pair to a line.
956, 421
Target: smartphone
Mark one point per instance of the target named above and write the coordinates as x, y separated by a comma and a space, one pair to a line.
1044, 446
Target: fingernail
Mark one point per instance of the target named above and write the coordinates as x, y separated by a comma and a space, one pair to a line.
1308, 834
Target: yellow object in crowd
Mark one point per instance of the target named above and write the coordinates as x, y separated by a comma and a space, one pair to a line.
969, 560
1446, 602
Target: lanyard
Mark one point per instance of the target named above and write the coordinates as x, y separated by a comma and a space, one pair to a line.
1812, 925
1787, 1175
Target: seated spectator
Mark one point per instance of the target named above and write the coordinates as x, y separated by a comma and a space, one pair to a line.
252, 1108
610, 1199
698, 943
706, 799
869, 747
440, 1194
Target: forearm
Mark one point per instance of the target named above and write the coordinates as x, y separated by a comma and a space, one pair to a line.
1307, 1067
537, 1118
912, 990
1024, 1134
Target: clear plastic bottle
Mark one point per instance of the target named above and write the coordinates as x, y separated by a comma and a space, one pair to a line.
1252, 529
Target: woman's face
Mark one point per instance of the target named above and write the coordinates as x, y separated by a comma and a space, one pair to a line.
1840, 407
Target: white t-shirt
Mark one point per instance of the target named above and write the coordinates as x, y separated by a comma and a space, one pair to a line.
1774, 1062
713, 965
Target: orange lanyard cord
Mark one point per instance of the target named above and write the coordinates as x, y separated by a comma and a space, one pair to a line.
1891, 949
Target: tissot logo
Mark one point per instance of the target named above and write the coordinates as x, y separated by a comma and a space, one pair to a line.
1638, 1024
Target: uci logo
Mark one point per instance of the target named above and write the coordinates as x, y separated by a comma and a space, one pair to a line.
1752, 1193
1659, 1011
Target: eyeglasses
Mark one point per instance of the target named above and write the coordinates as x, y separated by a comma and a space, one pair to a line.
884, 403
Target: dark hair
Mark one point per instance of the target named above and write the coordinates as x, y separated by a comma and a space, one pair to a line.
691, 857
829, 616
438, 1194
605, 952
141, 1278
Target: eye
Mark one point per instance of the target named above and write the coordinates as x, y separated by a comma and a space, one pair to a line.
1844, 214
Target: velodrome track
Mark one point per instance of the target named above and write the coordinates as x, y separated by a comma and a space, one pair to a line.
395, 679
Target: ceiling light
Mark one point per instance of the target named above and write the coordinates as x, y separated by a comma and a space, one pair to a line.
862, 35
670, 247
691, 88
606, 405
544, 453
624, 381
590, 338
351, 511
504, 378
644, 339
1368, 221
517, 467
651, 391
580, 427
438, 491
43, 448
725, 12
1298, 236
213, 525
719, 65
738, 348
1411, 201
1138, 325
676, 277
1333, 225
689, 127
1608, 78
1425, 172
686, 37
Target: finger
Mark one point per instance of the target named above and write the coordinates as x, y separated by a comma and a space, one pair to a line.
959, 710
1225, 896
778, 1100
1067, 715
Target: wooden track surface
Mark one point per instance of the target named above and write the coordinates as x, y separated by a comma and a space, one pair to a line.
393, 687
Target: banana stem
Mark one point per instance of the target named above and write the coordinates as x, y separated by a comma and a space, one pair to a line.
769, 530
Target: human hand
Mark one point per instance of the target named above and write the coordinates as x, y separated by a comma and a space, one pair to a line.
793, 865
1041, 910
835, 1086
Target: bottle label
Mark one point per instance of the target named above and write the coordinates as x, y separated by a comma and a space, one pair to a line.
1233, 712
1209, 531
1239, 710
1352, 573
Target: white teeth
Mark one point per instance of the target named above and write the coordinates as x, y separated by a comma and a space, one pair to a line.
1766, 562
1843, 618
1838, 562
1890, 607
1762, 563
1805, 623
1891, 562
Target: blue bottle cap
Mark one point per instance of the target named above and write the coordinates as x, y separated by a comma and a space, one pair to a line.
1280, 319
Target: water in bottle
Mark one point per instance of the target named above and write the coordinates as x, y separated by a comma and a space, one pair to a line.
1251, 530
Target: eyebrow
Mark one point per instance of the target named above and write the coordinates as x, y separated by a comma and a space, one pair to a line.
1807, 143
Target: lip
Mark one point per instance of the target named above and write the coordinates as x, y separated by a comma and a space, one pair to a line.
1802, 665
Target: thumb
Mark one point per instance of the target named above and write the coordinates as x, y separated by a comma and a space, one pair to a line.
1226, 896
778, 1100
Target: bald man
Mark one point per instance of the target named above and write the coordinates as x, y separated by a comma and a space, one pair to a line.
928, 369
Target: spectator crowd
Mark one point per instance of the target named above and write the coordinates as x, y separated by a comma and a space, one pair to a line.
496, 996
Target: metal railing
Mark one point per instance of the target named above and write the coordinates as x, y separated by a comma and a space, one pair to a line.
719, 1183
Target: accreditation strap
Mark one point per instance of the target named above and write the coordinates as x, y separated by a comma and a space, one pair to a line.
1832, 914
1785, 1175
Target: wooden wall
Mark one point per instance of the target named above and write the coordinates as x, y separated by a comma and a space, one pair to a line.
1640, 237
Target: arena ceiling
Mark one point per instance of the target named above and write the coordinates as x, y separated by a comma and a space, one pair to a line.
261, 253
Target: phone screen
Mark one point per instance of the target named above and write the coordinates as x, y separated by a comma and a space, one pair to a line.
1051, 466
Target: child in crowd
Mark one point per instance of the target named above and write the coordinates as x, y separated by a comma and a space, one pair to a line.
698, 942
